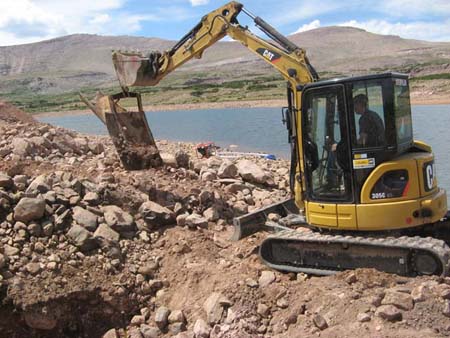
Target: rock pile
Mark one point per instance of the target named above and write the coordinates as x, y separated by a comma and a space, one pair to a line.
88, 249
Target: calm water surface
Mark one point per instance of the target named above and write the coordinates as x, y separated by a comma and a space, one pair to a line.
260, 129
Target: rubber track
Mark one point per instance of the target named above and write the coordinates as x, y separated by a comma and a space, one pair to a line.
438, 247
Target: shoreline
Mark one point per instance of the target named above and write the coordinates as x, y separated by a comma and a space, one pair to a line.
226, 104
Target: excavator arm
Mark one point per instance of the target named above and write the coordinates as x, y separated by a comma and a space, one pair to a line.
135, 69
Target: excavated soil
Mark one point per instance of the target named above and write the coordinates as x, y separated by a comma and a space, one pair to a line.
11, 113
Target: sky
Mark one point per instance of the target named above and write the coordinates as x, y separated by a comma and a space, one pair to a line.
26, 21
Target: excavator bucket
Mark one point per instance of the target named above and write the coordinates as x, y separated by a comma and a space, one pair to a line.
134, 69
129, 130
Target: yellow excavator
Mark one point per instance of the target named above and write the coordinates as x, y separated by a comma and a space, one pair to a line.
364, 192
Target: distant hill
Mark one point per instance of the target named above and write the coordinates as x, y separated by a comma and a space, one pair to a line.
81, 60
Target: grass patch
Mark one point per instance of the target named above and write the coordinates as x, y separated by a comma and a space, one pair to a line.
442, 76
218, 87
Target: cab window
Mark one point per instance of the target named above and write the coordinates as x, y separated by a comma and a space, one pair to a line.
325, 144
402, 111
369, 114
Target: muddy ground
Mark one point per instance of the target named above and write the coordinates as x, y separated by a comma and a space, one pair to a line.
88, 249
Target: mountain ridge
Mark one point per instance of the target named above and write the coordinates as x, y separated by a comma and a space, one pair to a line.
80, 60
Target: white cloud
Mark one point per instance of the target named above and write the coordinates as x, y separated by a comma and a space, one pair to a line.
308, 26
431, 31
198, 2
8, 39
304, 10
101, 18
25, 21
415, 8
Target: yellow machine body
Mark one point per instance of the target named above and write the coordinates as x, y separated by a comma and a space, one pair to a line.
415, 207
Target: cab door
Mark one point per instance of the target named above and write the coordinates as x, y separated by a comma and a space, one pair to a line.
327, 157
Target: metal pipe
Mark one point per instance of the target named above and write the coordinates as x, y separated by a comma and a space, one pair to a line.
274, 34
248, 13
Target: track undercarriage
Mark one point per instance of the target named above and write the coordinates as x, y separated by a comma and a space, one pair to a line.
295, 246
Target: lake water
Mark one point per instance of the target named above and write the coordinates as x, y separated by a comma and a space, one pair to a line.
260, 129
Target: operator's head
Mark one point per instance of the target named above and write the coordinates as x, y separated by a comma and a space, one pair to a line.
360, 103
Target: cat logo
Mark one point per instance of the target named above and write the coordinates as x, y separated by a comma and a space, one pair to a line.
429, 175
270, 55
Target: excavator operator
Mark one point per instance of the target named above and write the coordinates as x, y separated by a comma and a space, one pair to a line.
371, 126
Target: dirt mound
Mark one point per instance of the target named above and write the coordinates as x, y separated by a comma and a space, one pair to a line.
11, 113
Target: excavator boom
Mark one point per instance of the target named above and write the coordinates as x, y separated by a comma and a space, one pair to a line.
136, 69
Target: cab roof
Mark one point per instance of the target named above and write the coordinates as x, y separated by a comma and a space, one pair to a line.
356, 78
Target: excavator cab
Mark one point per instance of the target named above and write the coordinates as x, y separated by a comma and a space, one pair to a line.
360, 156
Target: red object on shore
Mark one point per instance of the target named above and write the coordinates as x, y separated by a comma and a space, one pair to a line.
206, 149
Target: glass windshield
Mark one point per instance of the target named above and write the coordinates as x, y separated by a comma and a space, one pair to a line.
369, 114
326, 147
402, 110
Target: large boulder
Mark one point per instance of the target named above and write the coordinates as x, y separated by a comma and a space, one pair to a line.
266, 278
29, 209
96, 147
215, 307
119, 220
91, 198
201, 329
82, 238
4, 152
401, 300
9, 250
182, 159
155, 214
40, 142
195, 220
169, 159
2, 261
40, 184
389, 312
106, 232
21, 147
6, 181
235, 187
66, 143
251, 172
320, 322
227, 170
85, 218
211, 214
40, 320
161, 317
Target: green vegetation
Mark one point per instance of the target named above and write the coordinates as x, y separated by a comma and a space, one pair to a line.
176, 89
180, 88
442, 76
34, 103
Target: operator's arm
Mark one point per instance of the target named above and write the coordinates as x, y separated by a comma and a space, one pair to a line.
364, 126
